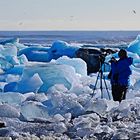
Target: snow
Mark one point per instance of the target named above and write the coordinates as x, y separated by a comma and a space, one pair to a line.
52, 97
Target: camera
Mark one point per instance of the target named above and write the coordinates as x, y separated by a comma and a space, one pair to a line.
112, 60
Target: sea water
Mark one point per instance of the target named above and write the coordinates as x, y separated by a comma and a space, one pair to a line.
78, 37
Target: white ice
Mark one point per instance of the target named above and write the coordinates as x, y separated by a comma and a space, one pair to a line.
58, 93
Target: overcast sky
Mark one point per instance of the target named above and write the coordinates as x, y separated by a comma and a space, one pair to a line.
69, 14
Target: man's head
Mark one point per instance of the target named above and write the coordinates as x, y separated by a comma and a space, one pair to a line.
122, 54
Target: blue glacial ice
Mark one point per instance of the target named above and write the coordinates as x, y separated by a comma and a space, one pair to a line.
55, 89
134, 46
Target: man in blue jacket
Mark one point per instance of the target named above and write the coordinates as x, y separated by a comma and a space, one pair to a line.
120, 75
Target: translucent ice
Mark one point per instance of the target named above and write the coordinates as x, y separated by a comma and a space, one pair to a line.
135, 46
31, 110
9, 111
78, 64
61, 48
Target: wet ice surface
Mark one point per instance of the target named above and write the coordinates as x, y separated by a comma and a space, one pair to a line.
53, 99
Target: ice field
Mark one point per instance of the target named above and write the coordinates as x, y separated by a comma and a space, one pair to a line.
45, 92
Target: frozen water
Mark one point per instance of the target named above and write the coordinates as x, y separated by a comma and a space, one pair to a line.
135, 46
65, 102
51, 74
12, 78
12, 98
12, 41
5, 65
61, 48
31, 84
9, 111
54, 98
25, 85
8, 50
31, 110
39, 54
23, 59
78, 64
59, 127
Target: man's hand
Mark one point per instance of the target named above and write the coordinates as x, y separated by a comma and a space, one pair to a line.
113, 60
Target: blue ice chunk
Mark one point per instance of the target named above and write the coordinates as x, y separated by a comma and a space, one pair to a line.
12, 60
9, 111
35, 54
61, 48
50, 74
13, 40
23, 59
78, 64
8, 50
32, 109
12, 98
135, 46
17, 70
10, 87
30, 85
48, 103
4, 64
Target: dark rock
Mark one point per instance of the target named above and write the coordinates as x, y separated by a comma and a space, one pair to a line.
2, 124
91, 57
94, 57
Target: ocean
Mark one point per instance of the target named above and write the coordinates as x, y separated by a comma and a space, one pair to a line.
79, 37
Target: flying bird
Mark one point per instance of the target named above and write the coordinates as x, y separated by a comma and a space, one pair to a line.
71, 18
134, 11
21, 23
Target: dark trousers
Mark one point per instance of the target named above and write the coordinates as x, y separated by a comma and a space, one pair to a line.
119, 92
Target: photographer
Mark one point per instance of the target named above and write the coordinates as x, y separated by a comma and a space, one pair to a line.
119, 75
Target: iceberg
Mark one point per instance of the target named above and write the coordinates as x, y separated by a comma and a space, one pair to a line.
39, 54
15, 70
50, 74
26, 85
23, 59
61, 48
64, 102
134, 46
52, 98
31, 110
12, 98
12, 41
8, 50
78, 64
5, 65
7, 110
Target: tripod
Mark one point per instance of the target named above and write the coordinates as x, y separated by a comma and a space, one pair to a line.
101, 77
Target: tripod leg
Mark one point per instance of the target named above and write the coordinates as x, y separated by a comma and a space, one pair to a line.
101, 84
95, 85
101, 87
106, 88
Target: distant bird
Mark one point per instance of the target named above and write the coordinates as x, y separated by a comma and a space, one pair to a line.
21, 23
134, 11
71, 18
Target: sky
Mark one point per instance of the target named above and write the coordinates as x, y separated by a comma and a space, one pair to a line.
69, 15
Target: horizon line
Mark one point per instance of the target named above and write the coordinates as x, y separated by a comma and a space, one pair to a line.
67, 30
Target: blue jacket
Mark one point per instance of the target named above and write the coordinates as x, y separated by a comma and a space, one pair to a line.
121, 71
